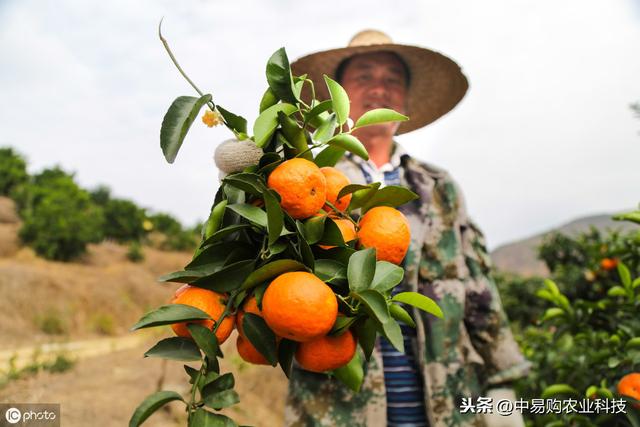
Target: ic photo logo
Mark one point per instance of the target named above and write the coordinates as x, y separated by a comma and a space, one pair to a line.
13, 415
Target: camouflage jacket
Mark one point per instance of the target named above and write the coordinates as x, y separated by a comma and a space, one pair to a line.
464, 354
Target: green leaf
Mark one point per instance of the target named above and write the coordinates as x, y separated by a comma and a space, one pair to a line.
351, 188
633, 343
267, 122
176, 123
279, 76
329, 270
286, 351
151, 404
361, 269
401, 315
559, 389
250, 212
329, 156
552, 313
220, 234
271, 270
205, 339
635, 283
175, 348
183, 276
387, 276
352, 374
220, 383
349, 143
317, 110
375, 304
419, 301
237, 124
314, 229
366, 332
248, 182
360, 198
262, 338
204, 418
625, 275
379, 115
268, 99
228, 278
222, 399
275, 217
630, 216
393, 333
332, 235
553, 288
617, 291
391, 195
215, 219
325, 131
341, 325
339, 98
169, 314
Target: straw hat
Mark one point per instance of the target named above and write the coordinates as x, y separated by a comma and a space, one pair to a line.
437, 83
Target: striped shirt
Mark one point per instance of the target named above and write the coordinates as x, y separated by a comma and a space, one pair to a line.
402, 377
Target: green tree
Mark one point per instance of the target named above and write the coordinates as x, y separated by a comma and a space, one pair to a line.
123, 220
13, 171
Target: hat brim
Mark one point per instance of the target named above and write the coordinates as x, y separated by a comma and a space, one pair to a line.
437, 82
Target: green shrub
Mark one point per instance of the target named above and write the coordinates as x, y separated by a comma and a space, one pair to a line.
59, 219
13, 171
123, 220
177, 238
588, 335
134, 253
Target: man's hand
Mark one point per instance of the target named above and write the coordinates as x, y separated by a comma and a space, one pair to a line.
496, 420
233, 156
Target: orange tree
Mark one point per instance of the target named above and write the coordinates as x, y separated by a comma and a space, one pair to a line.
586, 343
258, 234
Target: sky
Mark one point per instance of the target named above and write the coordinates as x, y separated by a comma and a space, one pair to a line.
545, 133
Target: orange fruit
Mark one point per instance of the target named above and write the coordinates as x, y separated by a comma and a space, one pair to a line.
301, 185
608, 263
347, 229
208, 301
250, 306
336, 181
249, 353
629, 385
299, 306
326, 353
387, 230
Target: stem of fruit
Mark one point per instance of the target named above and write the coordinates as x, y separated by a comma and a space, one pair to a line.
175, 62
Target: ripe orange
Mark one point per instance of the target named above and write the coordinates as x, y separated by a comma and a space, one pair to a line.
387, 230
336, 181
208, 301
608, 263
299, 306
629, 385
248, 352
250, 306
347, 229
301, 185
326, 353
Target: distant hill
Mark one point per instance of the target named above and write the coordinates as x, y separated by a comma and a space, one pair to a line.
521, 256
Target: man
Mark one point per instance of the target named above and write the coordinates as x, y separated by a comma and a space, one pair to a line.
470, 352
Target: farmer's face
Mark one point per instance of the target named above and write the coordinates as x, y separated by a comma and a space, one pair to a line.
375, 80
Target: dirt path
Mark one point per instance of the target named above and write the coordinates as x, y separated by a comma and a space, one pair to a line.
104, 390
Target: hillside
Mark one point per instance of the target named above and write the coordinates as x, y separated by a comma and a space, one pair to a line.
521, 256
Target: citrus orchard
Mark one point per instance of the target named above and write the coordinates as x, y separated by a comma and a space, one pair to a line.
208, 301
327, 352
387, 230
336, 181
299, 306
301, 185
